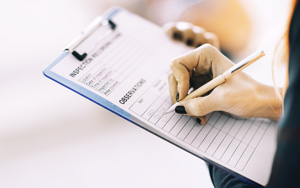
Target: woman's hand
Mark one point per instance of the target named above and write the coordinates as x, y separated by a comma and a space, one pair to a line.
190, 34
240, 95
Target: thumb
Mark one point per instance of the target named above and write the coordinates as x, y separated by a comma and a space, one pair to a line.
200, 106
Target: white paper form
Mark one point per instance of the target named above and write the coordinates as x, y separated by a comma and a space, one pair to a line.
129, 68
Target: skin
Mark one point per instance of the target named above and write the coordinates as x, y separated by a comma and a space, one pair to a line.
240, 96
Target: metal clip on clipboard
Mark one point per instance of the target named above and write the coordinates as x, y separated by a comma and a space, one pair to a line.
98, 22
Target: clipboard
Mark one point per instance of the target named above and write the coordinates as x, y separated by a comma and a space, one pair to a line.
103, 20
121, 62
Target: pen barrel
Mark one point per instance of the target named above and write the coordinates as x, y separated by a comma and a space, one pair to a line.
245, 63
226, 75
206, 87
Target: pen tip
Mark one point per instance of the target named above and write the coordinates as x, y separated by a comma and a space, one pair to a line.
172, 108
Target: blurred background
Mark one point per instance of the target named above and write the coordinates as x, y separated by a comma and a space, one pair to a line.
52, 137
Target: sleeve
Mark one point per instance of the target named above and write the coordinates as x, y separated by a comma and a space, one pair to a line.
222, 179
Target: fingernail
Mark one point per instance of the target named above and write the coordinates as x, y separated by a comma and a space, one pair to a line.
180, 110
175, 35
177, 96
198, 120
189, 42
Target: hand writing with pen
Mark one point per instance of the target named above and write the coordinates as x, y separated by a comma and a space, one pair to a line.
240, 96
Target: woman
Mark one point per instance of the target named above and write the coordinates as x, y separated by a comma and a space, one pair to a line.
241, 96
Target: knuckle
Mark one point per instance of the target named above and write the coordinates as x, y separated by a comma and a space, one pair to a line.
209, 35
186, 28
174, 63
184, 25
198, 30
208, 48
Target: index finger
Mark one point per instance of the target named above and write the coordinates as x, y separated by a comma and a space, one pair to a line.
183, 67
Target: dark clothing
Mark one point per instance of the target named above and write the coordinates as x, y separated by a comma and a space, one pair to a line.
286, 166
222, 179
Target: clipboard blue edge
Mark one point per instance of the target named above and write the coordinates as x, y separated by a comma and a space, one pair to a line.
115, 109
82, 91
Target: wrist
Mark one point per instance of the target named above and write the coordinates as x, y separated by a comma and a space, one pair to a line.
270, 103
